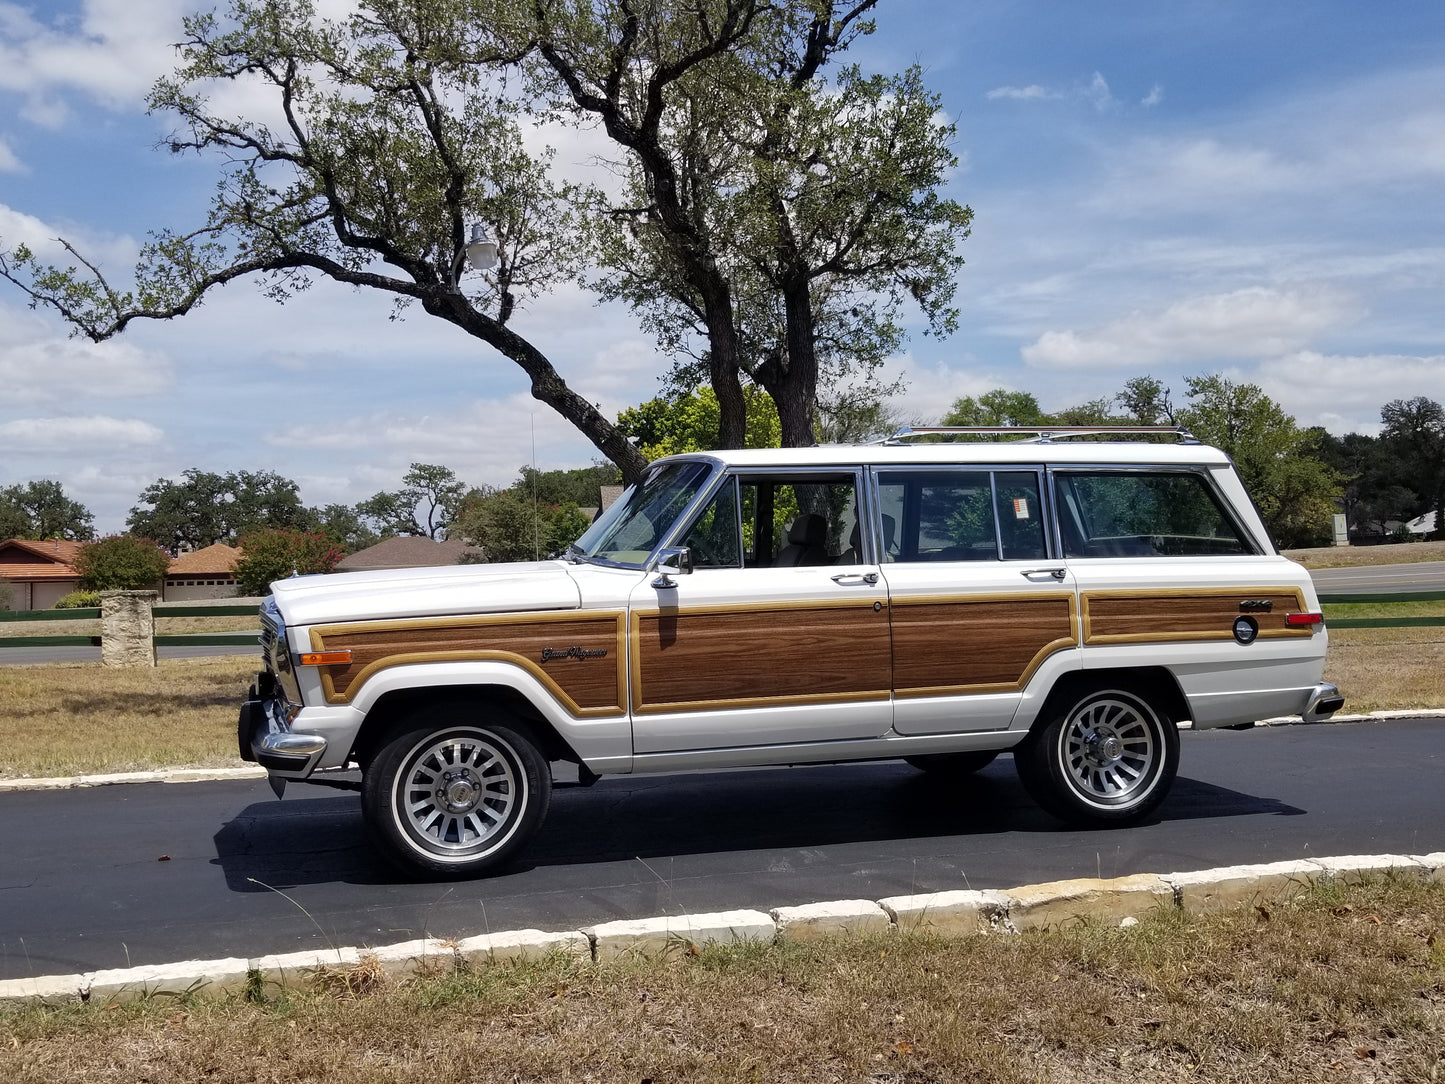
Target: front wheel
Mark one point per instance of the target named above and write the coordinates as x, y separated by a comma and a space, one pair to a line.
1107, 755
456, 792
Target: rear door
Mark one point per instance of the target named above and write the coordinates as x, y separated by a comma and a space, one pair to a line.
978, 606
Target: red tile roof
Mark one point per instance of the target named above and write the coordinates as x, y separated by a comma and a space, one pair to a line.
214, 560
22, 560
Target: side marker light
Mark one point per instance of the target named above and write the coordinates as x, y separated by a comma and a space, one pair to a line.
326, 658
1299, 620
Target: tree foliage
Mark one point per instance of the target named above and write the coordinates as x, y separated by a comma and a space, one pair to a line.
1414, 431
692, 422
774, 219
204, 508
429, 499
269, 554
122, 562
40, 509
1296, 492
513, 525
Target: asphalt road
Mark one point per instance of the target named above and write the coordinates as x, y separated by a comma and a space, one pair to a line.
1381, 579
158, 873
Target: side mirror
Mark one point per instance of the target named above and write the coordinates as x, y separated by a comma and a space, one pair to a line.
672, 562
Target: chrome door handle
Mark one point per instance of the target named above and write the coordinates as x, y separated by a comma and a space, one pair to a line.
1056, 573
870, 578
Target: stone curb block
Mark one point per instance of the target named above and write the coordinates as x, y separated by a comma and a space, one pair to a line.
42, 990
1107, 900
192, 976
1435, 863
172, 775
1353, 868
426, 956
813, 921
677, 934
295, 969
1211, 890
516, 945
949, 914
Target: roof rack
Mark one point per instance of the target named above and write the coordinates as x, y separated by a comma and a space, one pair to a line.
1037, 434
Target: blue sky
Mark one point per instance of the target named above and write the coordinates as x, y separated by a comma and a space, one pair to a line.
1174, 189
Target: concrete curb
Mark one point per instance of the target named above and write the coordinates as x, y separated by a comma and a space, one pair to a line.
1118, 901
251, 771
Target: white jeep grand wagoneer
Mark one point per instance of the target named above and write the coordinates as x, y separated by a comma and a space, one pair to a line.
1072, 601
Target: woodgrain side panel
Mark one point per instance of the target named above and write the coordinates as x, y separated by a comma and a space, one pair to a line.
715, 658
1197, 614
581, 659
957, 645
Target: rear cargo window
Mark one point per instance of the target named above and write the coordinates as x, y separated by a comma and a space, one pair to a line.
1142, 514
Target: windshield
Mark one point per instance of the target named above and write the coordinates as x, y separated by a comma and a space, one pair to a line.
631, 529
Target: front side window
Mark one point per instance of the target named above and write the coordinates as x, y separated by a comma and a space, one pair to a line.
961, 516
1143, 514
767, 521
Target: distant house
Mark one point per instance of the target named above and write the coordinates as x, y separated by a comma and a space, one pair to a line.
1422, 526
406, 551
37, 574
608, 496
202, 574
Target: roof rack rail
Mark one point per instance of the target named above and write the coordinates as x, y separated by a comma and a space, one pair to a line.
1037, 434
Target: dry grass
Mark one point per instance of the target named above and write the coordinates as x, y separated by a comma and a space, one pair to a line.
1379, 669
80, 718
1340, 985
1351, 556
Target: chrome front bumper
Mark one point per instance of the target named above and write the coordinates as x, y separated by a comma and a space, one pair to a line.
264, 736
1323, 702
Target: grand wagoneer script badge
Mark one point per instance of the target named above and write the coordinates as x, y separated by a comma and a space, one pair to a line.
574, 652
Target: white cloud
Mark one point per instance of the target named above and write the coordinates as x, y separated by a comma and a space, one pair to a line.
77, 435
37, 366
1031, 93
112, 53
1345, 392
1097, 92
9, 161
1154, 97
1250, 323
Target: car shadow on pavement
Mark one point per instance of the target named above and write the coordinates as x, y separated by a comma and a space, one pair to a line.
306, 840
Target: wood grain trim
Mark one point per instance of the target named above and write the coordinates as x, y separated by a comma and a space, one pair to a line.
727, 657
976, 643
1190, 614
594, 692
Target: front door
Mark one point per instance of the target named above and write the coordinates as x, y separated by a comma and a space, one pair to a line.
780, 633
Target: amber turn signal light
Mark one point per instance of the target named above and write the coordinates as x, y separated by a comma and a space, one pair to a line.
326, 658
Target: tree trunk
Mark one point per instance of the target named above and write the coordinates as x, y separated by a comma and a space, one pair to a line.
547, 385
722, 337
793, 381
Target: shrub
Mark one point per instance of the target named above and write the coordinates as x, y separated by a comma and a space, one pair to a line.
121, 562
78, 600
275, 553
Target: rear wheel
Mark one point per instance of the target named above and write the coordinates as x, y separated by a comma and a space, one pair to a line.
456, 791
1103, 755
955, 764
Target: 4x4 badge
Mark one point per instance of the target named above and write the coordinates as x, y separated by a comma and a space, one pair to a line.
1256, 605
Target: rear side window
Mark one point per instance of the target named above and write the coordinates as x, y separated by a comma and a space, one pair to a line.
959, 515
1142, 514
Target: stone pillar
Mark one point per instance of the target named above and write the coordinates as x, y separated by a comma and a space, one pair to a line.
127, 628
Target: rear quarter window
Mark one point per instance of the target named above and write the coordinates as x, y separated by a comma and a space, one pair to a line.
1143, 514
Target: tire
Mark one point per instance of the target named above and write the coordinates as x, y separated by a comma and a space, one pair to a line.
953, 764
1105, 756
456, 791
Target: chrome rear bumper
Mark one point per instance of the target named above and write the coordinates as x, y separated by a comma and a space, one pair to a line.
1323, 702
